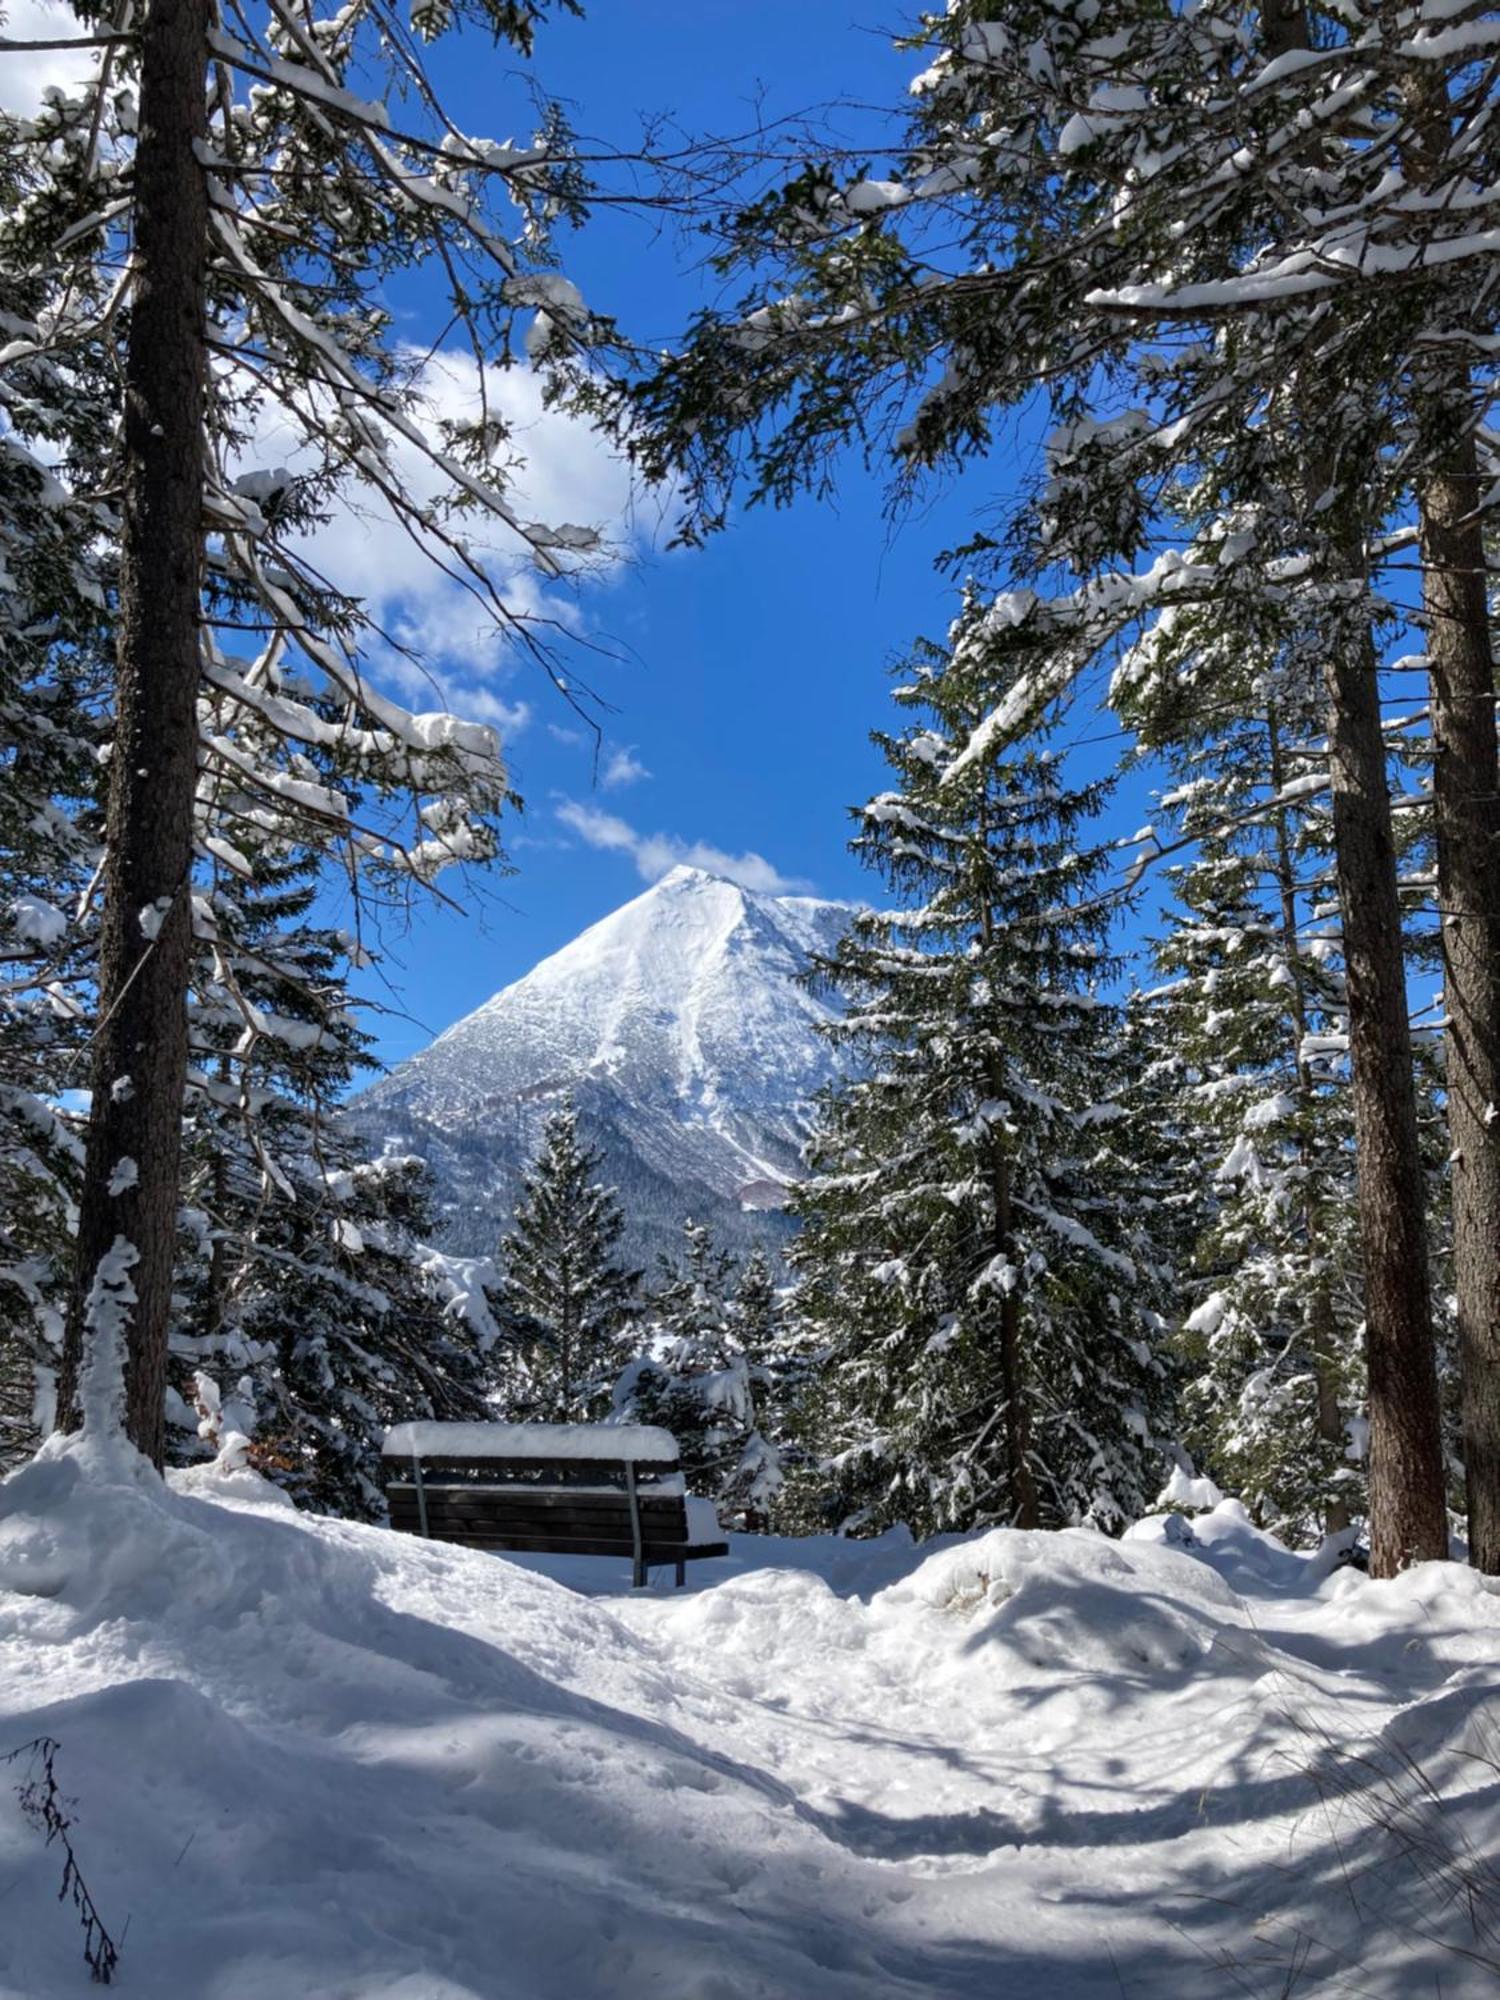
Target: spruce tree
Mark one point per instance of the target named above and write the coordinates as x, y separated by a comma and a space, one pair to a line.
966, 1255
363, 1327
305, 1289
1184, 237
565, 1304
1253, 1006
693, 1376
55, 582
777, 1385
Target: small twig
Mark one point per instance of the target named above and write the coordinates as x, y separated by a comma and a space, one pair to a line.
43, 1806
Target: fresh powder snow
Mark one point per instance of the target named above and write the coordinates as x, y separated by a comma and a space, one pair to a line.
316, 1759
639, 1443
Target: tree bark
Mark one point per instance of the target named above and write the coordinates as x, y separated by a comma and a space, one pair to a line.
1408, 1517
1025, 1509
1466, 797
1025, 1506
130, 1188
1318, 1315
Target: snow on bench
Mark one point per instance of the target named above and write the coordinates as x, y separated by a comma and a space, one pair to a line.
641, 1443
555, 1489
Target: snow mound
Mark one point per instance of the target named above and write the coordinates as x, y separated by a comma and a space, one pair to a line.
315, 1758
1074, 1603
312, 1758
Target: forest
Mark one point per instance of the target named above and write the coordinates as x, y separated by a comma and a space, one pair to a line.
1155, 1204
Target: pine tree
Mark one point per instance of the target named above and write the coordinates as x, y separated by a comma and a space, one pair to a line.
364, 1329
965, 1253
55, 580
777, 1383
1182, 238
565, 1304
306, 1295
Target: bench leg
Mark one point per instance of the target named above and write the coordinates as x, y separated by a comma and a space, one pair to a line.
638, 1582
681, 1574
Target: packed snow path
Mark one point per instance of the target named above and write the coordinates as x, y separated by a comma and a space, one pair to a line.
313, 1760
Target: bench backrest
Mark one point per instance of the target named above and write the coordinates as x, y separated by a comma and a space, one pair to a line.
562, 1506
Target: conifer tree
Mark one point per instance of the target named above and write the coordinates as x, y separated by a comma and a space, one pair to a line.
55, 580
566, 1305
1183, 234
694, 1377
966, 1255
305, 1288
1254, 1010
361, 1325
778, 1382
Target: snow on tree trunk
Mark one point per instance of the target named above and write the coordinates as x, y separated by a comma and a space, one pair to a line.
140, 1053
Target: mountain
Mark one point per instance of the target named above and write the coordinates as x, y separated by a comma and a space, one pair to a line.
678, 1024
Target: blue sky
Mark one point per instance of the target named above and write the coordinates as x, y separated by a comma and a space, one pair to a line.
749, 672
744, 678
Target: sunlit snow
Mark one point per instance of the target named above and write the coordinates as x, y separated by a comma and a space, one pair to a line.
316, 1759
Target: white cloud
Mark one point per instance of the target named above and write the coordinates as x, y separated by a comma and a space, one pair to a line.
482, 704
564, 474
622, 767
27, 74
655, 853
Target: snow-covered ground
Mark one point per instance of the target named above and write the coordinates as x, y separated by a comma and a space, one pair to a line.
316, 1759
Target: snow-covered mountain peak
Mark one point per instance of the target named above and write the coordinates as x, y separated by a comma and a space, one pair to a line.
682, 1028
685, 874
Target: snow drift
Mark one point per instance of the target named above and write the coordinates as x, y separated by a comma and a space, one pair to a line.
318, 1759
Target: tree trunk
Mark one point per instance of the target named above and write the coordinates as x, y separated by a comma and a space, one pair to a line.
1408, 1517
129, 1198
1466, 796
1318, 1311
567, 1340
1025, 1509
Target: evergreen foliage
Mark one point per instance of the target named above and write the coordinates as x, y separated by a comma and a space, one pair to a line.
1182, 229
704, 1356
756, 1490
1253, 1008
967, 1255
565, 1304
361, 1327
305, 1291
158, 527
1241, 256
55, 580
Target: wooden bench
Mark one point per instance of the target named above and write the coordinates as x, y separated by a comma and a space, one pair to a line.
554, 1489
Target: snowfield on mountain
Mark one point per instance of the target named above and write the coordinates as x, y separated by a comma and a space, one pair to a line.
682, 1029
308, 1758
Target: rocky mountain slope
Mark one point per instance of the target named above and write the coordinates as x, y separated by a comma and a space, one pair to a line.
678, 1024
